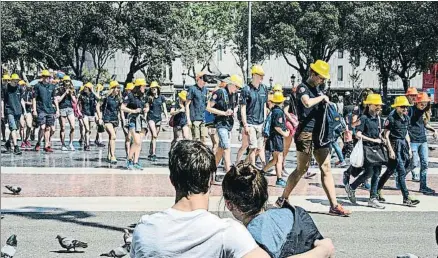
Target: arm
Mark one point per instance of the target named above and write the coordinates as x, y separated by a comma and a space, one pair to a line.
283, 133
98, 111
310, 102
286, 113
211, 109
391, 151
128, 110
23, 105
189, 122
359, 135
165, 110
34, 106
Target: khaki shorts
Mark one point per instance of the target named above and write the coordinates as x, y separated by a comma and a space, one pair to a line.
199, 130
256, 139
304, 144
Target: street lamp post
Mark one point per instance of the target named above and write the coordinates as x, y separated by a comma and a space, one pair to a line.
270, 83
184, 79
249, 42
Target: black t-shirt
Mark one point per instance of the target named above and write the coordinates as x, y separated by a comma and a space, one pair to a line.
179, 119
255, 100
221, 98
307, 116
110, 108
134, 101
277, 120
44, 95
398, 126
370, 127
12, 100
66, 102
156, 108
417, 129
88, 104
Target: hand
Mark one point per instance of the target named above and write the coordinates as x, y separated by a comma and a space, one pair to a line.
229, 112
379, 141
137, 111
34, 113
435, 134
145, 110
100, 121
189, 123
246, 129
57, 114
391, 155
327, 245
326, 98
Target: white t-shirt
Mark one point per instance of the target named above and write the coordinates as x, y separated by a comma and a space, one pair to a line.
173, 233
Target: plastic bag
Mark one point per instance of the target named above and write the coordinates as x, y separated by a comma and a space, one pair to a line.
356, 157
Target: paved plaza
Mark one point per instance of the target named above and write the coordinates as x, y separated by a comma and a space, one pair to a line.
78, 194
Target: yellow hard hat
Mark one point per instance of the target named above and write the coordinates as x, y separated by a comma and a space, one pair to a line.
15, 76
89, 85
113, 84
234, 79
183, 95
82, 88
322, 68
373, 99
99, 87
129, 86
140, 82
21, 82
401, 101
257, 69
278, 97
155, 84
6, 77
45, 73
278, 87
66, 78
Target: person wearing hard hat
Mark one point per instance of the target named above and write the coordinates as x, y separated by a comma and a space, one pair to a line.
411, 94
13, 108
126, 90
400, 152
178, 118
157, 105
66, 97
275, 141
100, 127
5, 81
221, 106
136, 105
311, 109
87, 102
253, 98
369, 130
417, 133
195, 106
27, 118
108, 113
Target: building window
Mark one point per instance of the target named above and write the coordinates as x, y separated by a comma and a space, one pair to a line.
340, 73
340, 54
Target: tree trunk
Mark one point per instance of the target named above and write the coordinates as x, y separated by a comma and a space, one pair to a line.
99, 72
384, 78
405, 83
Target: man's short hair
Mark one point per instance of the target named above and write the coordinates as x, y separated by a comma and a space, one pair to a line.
191, 165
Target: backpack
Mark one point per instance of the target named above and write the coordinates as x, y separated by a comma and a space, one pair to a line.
332, 127
267, 126
302, 236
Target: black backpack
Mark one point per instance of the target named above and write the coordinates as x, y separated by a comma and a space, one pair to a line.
302, 236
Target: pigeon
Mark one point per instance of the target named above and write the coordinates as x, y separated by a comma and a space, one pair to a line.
70, 243
8, 251
13, 189
127, 237
119, 251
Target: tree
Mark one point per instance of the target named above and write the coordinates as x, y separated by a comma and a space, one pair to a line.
145, 34
306, 31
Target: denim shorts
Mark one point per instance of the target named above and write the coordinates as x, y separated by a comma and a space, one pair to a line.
14, 122
224, 138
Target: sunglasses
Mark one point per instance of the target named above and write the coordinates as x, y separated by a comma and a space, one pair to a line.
404, 107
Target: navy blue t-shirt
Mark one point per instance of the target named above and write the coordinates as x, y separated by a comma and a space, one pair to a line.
255, 100
88, 104
222, 99
271, 229
370, 127
198, 102
179, 119
66, 102
12, 100
110, 108
44, 95
156, 108
398, 126
417, 129
133, 102
307, 116
277, 120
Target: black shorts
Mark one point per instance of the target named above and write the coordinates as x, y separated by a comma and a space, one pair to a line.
275, 144
46, 119
114, 123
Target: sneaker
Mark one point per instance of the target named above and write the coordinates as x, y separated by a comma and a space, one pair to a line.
280, 201
87, 148
138, 166
81, 142
8, 146
150, 156
113, 161
17, 150
280, 183
342, 164
339, 210
374, 203
346, 178
37, 147
130, 165
309, 175
426, 190
154, 158
410, 203
71, 147
99, 144
351, 193
380, 197
48, 149
64, 148
28, 144
23, 145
